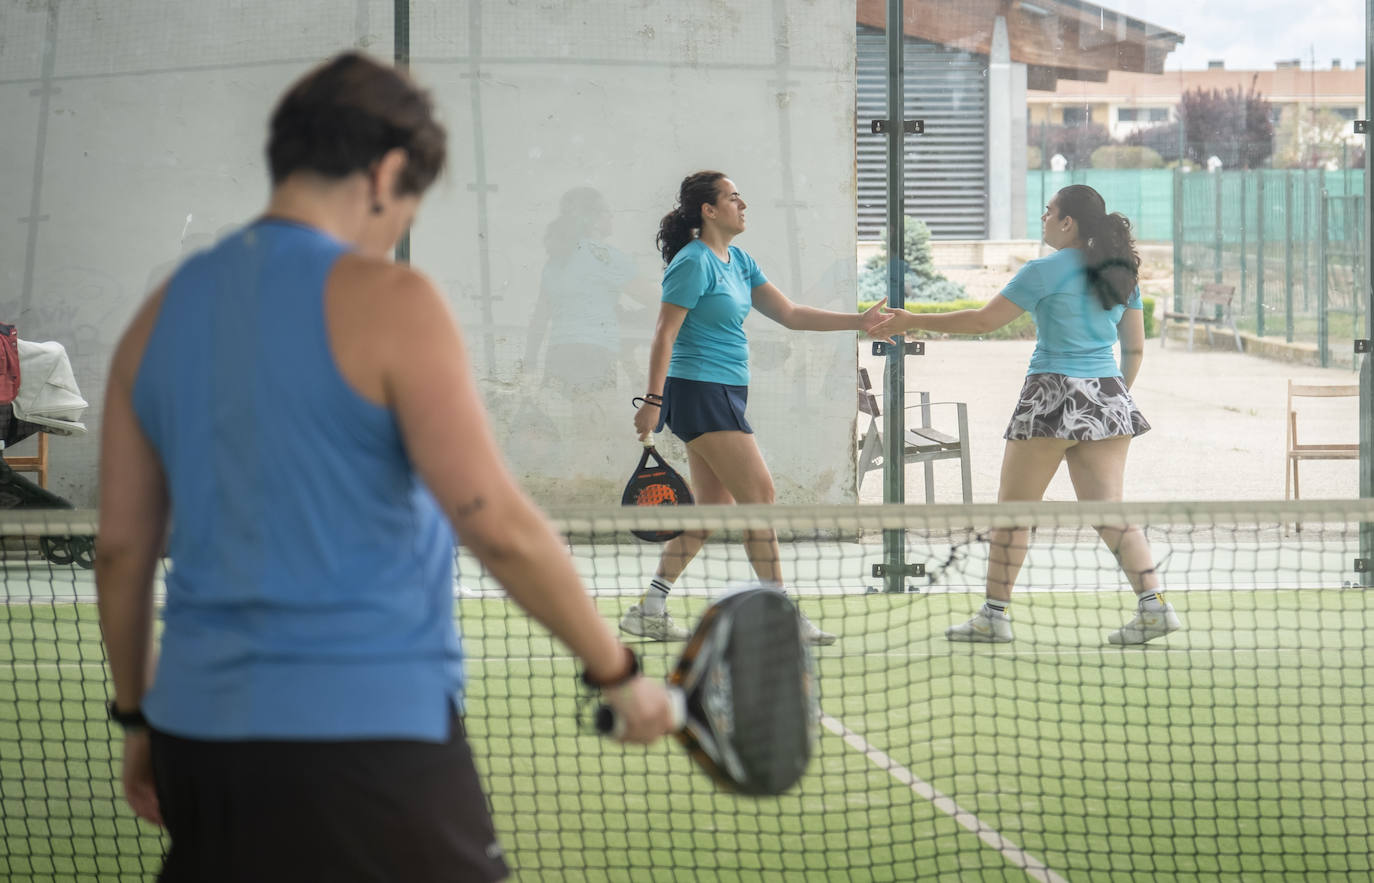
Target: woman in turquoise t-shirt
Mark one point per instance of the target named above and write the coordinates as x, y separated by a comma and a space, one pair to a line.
699, 378
1076, 404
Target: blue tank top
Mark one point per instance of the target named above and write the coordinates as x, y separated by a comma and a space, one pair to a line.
310, 594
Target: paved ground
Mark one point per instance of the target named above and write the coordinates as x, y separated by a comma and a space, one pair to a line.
1218, 421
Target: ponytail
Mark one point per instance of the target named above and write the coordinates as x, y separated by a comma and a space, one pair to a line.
1109, 252
678, 226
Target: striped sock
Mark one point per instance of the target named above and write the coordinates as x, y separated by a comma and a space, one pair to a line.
653, 602
997, 607
1151, 601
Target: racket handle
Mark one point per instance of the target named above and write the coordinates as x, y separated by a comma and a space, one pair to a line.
608, 723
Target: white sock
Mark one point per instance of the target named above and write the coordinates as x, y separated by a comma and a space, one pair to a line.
998, 608
1151, 601
654, 601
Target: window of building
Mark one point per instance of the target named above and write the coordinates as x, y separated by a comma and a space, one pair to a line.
1346, 113
1077, 116
1142, 114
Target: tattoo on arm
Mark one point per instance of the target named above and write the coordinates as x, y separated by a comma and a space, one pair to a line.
464, 510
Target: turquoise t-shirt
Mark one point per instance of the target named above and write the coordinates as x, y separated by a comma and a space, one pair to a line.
1074, 336
711, 344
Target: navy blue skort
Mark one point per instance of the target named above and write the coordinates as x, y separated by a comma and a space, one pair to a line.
692, 408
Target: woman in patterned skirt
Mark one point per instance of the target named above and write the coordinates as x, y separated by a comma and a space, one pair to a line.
1076, 403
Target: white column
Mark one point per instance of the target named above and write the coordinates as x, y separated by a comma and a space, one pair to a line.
1006, 138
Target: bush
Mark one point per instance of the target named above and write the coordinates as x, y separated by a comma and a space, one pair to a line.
1020, 328
1074, 143
1115, 156
924, 283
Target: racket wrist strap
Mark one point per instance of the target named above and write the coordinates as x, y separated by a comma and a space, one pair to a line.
128, 721
631, 670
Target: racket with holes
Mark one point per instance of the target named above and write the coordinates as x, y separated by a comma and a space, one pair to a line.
655, 483
744, 694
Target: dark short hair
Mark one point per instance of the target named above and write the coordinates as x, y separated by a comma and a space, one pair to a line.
344, 115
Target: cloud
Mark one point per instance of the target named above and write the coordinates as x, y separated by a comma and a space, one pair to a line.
1253, 34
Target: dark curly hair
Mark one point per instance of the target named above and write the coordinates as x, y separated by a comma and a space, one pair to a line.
344, 115
675, 230
1108, 248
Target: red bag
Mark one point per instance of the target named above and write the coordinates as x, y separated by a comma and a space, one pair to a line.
9, 364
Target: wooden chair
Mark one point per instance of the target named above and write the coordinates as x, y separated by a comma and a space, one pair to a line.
922, 444
1205, 310
33, 463
1297, 452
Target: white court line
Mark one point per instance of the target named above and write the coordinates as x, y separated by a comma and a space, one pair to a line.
1018, 857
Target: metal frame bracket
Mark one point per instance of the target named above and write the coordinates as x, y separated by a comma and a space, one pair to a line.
881, 571
1361, 127
1362, 345
909, 348
1362, 565
910, 127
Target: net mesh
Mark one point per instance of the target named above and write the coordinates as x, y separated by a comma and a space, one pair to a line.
1235, 748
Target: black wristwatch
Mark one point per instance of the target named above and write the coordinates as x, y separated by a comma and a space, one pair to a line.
128, 720
633, 671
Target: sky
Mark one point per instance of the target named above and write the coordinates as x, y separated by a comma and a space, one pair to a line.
1253, 34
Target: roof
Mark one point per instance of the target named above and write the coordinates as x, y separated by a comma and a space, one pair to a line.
1281, 85
1056, 39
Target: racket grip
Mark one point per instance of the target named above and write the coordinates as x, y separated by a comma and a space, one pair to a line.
608, 723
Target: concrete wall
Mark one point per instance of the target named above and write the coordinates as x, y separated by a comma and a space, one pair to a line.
134, 138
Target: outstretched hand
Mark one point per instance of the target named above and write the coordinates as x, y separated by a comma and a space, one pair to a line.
876, 321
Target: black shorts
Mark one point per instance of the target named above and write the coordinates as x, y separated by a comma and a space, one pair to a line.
324, 811
693, 408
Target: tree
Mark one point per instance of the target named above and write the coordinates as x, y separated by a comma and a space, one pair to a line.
923, 281
1309, 138
1075, 143
1233, 126
1162, 139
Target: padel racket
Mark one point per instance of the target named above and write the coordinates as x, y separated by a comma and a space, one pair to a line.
655, 483
744, 694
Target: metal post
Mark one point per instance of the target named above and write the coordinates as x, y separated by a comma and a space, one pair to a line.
1288, 256
1367, 365
1244, 192
1322, 330
1179, 233
1217, 220
894, 375
1306, 241
1259, 253
401, 50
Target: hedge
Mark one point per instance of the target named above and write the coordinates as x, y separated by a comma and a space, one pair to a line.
1020, 328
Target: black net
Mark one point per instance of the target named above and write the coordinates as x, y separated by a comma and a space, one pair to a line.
1236, 747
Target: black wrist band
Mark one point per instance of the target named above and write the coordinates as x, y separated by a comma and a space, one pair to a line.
641, 401
128, 720
632, 672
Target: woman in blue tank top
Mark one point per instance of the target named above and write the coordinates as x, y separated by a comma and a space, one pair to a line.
1075, 404
299, 411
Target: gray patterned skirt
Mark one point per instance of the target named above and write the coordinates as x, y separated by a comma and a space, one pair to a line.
1078, 408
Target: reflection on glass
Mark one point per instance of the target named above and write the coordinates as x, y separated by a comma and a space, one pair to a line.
588, 292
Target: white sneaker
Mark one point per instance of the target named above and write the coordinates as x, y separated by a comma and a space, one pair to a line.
1146, 626
654, 626
983, 628
811, 634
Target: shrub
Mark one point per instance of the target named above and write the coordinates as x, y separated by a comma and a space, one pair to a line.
924, 283
1116, 156
1020, 328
